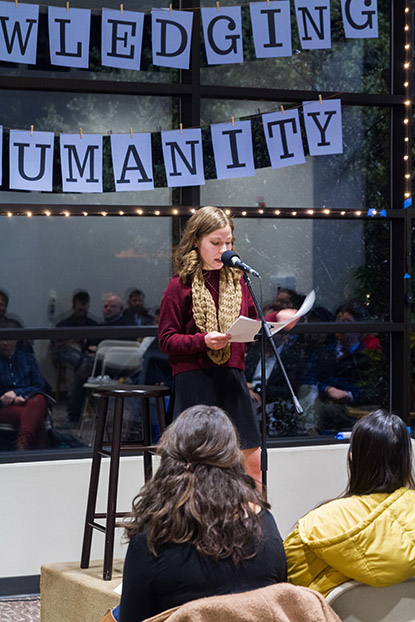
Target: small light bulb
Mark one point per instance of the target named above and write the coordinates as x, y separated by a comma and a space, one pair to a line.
407, 176
104, 213
85, 213
139, 212
407, 195
405, 157
243, 213
47, 213
342, 212
121, 213
157, 213
175, 212
358, 213
9, 214
29, 214
277, 212
227, 212
260, 211
406, 84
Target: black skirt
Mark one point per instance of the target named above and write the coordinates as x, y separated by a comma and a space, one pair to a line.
224, 387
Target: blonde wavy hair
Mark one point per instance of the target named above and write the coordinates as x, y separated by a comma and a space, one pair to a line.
186, 258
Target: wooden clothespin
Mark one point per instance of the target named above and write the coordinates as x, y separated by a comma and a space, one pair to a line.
31, 130
67, 7
217, 5
282, 109
170, 8
267, 2
121, 9
233, 121
80, 132
320, 98
131, 132
16, 3
181, 128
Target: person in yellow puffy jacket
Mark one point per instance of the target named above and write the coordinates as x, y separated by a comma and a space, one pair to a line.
369, 533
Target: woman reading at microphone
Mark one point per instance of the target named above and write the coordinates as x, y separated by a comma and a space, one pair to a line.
200, 304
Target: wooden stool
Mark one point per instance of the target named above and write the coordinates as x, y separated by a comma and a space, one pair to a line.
115, 446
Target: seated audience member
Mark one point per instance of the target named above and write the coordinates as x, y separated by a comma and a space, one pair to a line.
368, 534
22, 402
136, 313
112, 314
70, 351
200, 527
12, 322
278, 395
343, 371
4, 303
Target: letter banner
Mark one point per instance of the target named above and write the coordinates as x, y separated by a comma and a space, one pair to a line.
121, 39
18, 32
313, 22
69, 36
323, 126
232, 147
360, 19
81, 161
283, 136
183, 157
132, 162
271, 27
222, 31
171, 38
31, 160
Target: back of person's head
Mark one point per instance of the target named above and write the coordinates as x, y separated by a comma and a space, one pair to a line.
380, 455
200, 494
4, 297
82, 297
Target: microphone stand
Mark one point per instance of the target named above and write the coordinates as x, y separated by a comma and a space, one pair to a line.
266, 335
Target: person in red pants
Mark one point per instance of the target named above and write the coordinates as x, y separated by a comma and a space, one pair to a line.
22, 402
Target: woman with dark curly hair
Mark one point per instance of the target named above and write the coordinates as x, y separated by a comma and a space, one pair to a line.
200, 527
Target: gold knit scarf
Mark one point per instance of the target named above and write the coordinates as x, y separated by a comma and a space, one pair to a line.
204, 309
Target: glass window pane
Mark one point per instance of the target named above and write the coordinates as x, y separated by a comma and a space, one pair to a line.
95, 114
354, 65
340, 260
43, 69
336, 383
358, 178
49, 259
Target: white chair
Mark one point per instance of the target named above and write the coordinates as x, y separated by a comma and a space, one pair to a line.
357, 602
104, 346
122, 359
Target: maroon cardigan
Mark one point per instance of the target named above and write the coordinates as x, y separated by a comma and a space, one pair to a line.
179, 336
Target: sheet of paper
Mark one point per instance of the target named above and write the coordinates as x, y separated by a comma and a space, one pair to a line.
245, 329
118, 589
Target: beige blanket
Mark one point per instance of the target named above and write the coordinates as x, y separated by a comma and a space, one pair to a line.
281, 602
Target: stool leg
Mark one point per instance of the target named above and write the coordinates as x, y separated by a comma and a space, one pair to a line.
148, 468
93, 483
161, 414
113, 488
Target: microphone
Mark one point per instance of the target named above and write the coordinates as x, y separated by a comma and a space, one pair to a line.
232, 259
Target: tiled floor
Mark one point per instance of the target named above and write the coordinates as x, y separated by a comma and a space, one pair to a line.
25, 609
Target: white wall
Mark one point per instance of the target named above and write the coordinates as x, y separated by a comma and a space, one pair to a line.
43, 503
